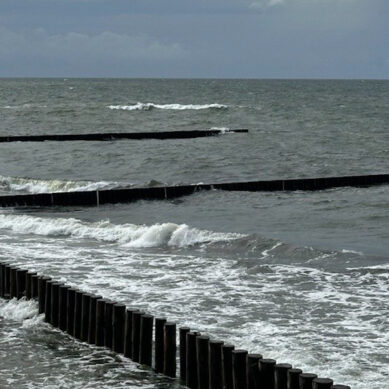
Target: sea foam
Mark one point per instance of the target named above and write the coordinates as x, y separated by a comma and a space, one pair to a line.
176, 107
18, 310
129, 235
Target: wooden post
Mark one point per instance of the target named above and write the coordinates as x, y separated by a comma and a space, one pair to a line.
108, 314
128, 333
191, 360
92, 319
146, 339
118, 325
266, 369
281, 375
42, 281
136, 335
85, 308
28, 285
239, 368
34, 286
159, 345
306, 380
182, 331
215, 364
253, 370
77, 314
54, 303
70, 302
2, 279
20, 283
323, 383
12, 283
227, 366
100, 315
48, 301
202, 354
294, 378
63, 307
7, 279
170, 350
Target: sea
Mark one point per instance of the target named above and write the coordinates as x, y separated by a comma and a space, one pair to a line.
300, 277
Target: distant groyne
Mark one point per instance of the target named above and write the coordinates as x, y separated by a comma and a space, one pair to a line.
202, 363
110, 136
113, 196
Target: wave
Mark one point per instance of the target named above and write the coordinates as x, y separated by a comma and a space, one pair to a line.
18, 310
129, 235
177, 107
31, 185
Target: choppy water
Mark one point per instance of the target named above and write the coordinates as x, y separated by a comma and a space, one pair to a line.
300, 277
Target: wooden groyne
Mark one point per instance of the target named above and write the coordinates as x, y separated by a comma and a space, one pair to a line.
113, 196
203, 363
109, 136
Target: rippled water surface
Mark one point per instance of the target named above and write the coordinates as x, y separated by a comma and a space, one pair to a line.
300, 277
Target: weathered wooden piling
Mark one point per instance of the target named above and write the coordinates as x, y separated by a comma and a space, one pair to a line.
34, 285
136, 315
323, 383
118, 326
92, 318
267, 369
63, 306
7, 280
108, 314
28, 285
2, 279
281, 375
159, 344
227, 366
70, 302
170, 350
20, 283
55, 303
12, 282
100, 317
239, 368
294, 378
47, 310
202, 353
306, 380
146, 340
191, 360
128, 333
42, 281
215, 364
253, 370
77, 314
85, 310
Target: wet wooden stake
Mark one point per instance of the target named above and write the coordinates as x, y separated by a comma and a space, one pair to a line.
136, 335
77, 314
100, 315
85, 309
281, 375
323, 383
159, 345
227, 366
92, 319
48, 301
239, 368
266, 370
42, 280
20, 283
128, 333
70, 302
146, 339
253, 370
12, 283
108, 314
191, 360
2, 278
63, 307
294, 378
34, 286
306, 380
170, 350
202, 353
7, 280
55, 303
28, 285
118, 324
215, 364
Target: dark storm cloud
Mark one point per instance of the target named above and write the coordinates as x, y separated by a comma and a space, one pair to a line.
180, 38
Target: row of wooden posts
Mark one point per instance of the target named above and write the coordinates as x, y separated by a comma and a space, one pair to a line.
204, 363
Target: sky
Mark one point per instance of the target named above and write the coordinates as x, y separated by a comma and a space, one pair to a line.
195, 38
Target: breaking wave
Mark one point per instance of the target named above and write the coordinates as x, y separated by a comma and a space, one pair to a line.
175, 107
18, 310
129, 235
30, 185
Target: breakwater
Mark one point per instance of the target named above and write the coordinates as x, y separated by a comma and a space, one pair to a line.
113, 196
196, 359
109, 136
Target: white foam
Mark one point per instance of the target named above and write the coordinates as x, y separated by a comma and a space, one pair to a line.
32, 185
177, 107
18, 310
223, 130
130, 235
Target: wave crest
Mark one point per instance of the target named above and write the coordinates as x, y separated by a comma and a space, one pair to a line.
176, 107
